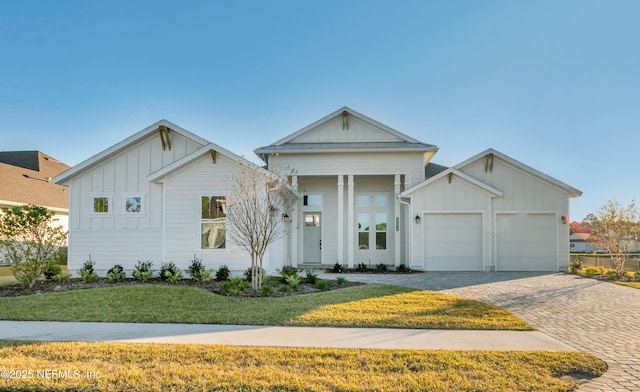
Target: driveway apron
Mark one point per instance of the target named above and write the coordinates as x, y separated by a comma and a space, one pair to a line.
592, 316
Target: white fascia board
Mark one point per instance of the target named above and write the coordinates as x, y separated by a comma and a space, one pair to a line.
479, 184
345, 150
573, 192
63, 178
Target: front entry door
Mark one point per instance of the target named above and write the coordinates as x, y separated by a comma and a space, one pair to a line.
312, 238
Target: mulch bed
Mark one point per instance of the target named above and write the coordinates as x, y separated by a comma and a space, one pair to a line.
45, 286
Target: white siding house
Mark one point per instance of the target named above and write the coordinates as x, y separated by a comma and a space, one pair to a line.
364, 198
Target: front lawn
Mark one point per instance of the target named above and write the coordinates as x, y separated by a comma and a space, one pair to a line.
358, 306
152, 367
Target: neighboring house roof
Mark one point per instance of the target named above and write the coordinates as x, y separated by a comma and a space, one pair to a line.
25, 178
573, 192
579, 237
454, 173
123, 145
432, 169
393, 140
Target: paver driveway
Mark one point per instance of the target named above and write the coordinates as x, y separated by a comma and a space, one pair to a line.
597, 317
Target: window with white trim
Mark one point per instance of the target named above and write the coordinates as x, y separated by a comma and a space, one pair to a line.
372, 215
101, 204
213, 222
133, 204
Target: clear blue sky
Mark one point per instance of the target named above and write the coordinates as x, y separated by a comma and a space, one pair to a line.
553, 84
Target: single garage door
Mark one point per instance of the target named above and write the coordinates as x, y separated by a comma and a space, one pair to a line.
526, 242
453, 242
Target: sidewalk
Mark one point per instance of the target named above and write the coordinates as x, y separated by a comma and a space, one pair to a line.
383, 338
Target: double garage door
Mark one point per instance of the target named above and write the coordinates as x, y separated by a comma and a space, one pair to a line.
523, 242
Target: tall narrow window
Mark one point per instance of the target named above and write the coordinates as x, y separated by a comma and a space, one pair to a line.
373, 222
214, 222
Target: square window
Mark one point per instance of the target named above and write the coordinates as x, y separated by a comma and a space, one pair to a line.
381, 201
133, 204
101, 205
363, 201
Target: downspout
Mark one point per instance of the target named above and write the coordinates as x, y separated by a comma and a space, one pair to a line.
410, 234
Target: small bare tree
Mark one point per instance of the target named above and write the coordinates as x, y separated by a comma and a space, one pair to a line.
257, 203
615, 229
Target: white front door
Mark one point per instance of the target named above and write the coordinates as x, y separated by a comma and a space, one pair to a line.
312, 237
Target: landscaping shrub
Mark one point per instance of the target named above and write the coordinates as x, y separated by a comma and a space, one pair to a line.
267, 290
591, 271
62, 277
143, 271
323, 285
198, 272
116, 274
362, 267
285, 288
170, 273
381, 268
247, 274
337, 267
294, 281
403, 268
341, 281
310, 277
575, 265
611, 274
86, 272
235, 285
223, 273
51, 269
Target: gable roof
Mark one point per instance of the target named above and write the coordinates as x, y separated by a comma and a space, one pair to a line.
123, 145
396, 141
573, 192
25, 178
493, 192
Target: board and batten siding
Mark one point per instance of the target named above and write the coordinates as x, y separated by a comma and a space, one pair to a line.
116, 237
526, 193
183, 191
410, 164
336, 130
459, 196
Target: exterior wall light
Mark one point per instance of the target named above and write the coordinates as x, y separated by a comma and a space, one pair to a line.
286, 218
417, 219
565, 219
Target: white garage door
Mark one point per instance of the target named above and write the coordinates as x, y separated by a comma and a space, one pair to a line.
526, 242
453, 242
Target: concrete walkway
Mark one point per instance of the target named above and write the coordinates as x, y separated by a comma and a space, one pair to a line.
281, 336
596, 317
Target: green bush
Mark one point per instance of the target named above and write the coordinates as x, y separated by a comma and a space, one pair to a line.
173, 277
267, 290
381, 268
51, 269
285, 288
294, 281
337, 268
167, 270
62, 277
116, 274
362, 267
611, 274
247, 274
341, 281
143, 271
86, 272
223, 273
198, 272
235, 285
311, 277
403, 268
575, 265
591, 271
323, 285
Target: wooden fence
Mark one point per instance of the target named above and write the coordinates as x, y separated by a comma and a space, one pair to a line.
604, 260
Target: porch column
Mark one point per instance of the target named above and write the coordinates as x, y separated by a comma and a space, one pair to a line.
350, 223
396, 220
295, 218
340, 219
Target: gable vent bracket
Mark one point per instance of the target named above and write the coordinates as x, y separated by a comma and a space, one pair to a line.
345, 120
488, 165
450, 177
213, 156
164, 131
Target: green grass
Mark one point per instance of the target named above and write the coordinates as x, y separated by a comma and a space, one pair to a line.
154, 367
358, 306
7, 278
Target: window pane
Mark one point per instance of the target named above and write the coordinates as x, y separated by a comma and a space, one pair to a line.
314, 200
363, 201
312, 220
213, 235
381, 201
381, 222
100, 204
363, 240
213, 207
363, 222
133, 204
381, 240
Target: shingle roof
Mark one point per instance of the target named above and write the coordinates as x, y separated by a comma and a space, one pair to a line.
25, 177
433, 169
